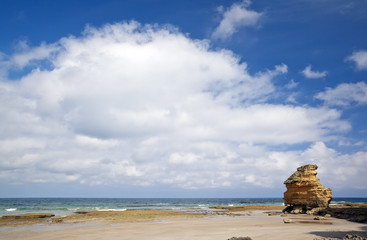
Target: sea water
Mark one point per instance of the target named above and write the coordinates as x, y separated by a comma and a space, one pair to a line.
68, 206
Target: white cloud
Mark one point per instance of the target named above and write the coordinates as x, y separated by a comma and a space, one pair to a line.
237, 16
359, 58
347, 171
95, 142
26, 54
146, 105
292, 98
292, 84
177, 158
345, 94
308, 73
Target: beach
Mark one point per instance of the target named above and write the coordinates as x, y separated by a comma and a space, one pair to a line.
255, 222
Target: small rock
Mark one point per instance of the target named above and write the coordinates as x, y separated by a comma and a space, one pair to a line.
273, 213
287, 220
319, 218
353, 237
239, 238
296, 211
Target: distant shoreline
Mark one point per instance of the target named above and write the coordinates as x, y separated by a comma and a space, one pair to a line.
352, 211
67, 206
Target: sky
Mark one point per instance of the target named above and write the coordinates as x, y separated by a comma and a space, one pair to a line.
158, 98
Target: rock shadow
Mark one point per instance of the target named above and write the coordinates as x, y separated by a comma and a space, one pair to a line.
341, 234
354, 214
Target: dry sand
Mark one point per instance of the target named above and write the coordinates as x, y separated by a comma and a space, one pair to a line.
161, 226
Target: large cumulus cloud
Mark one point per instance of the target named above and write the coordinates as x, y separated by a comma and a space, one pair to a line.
148, 105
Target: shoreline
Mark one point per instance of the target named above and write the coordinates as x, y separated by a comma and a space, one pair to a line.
131, 215
352, 211
161, 225
254, 221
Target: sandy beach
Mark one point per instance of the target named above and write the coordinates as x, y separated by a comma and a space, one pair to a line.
160, 225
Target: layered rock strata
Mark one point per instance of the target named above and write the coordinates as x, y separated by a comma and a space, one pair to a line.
305, 193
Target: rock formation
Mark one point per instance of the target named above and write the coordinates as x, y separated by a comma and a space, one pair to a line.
28, 216
305, 192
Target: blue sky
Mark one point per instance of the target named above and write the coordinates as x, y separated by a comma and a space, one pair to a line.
153, 98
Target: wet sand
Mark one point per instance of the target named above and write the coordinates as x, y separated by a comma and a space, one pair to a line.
161, 225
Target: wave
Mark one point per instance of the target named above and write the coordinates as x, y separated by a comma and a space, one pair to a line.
10, 209
112, 209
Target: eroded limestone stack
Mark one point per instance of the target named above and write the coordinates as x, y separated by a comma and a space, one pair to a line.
305, 192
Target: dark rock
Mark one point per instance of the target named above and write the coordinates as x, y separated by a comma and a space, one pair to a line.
346, 237
274, 213
353, 237
355, 214
27, 216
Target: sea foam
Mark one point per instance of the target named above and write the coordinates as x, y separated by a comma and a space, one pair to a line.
110, 209
113, 209
10, 209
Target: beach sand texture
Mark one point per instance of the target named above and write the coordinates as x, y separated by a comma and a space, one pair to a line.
160, 225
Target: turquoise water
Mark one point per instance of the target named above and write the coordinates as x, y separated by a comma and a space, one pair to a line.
67, 206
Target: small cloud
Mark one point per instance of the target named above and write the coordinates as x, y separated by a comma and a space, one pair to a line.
292, 84
291, 99
308, 73
360, 59
26, 55
238, 15
345, 94
349, 143
186, 158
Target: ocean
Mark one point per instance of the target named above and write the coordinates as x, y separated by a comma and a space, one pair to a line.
67, 206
